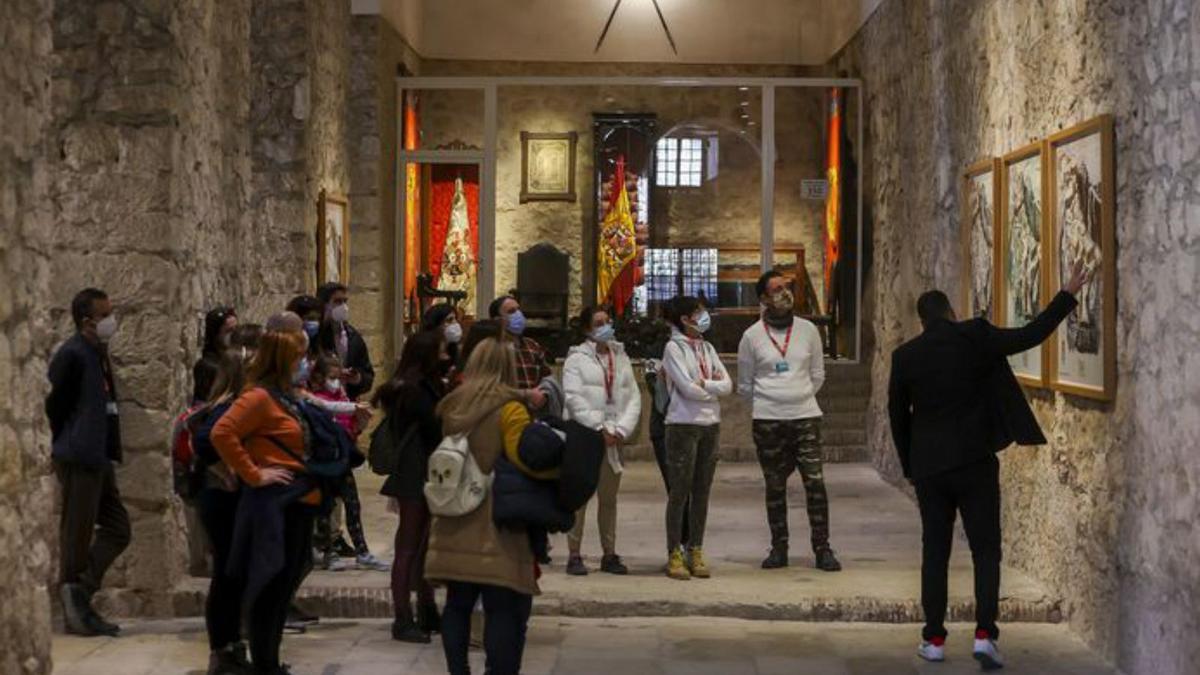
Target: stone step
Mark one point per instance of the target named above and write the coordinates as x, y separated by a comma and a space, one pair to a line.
349, 602
840, 452
845, 388
843, 420
842, 403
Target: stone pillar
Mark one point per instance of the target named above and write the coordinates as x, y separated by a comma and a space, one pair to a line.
175, 194
26, 487
377, 55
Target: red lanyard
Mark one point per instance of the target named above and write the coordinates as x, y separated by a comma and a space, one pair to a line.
610, 375
786, 341
701, 357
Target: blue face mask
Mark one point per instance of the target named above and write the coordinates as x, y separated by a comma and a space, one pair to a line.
311, 328
703, 322
300, 374
604, 333
516, 322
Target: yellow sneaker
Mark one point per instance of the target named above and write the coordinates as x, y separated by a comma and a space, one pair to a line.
698, 565
675, 567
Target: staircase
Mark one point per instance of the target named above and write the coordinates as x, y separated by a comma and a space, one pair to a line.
843, 399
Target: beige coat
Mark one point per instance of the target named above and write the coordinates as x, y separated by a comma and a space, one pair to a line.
471, 548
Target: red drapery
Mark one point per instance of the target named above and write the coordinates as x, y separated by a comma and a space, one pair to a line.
833, 202
441, 196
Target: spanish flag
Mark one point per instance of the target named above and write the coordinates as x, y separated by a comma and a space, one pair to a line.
617, 250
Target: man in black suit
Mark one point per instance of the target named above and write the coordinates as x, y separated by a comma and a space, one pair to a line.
342, 338
86, 442
954, 403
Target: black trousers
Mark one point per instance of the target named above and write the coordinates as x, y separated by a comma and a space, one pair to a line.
973, 491
505, 622
223, 607
94, 525
268, 611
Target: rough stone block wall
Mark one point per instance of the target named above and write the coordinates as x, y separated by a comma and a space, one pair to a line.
183, 171
1105, 514
377, 52
26, 485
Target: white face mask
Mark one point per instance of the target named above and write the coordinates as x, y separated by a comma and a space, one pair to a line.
106, 328
333, 386
453, 333
340, 313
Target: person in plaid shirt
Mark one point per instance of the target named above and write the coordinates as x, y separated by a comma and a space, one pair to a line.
532, 364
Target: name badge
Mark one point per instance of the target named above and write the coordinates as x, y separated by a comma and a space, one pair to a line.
111, 408
781, 367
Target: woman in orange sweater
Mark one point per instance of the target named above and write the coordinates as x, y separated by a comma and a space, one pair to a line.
264, 443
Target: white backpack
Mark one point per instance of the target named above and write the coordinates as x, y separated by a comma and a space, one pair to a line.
454, 484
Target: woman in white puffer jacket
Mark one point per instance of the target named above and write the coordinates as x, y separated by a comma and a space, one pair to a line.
601, 393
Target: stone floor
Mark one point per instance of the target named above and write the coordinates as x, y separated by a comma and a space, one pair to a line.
876, 532
565, 646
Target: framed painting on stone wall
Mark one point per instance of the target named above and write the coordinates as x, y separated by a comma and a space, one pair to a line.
333, 239
1020, 254
1083, 356
548, 166
980, 221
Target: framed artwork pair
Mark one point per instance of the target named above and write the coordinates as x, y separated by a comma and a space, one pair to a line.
1029, 219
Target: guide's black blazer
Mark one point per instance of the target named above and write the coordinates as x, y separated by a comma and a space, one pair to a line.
953, 398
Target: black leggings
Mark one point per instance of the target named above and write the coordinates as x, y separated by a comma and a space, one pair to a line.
505, 621
269, 610
349, 498
223, 608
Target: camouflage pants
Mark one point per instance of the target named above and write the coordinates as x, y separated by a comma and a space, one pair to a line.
691, 466
783, 447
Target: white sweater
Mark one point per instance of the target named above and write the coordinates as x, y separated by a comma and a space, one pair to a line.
778, 393
586, 399
694, 390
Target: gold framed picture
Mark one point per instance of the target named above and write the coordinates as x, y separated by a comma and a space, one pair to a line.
1021, 254
980, 227
548, 166
1082, 197
333, 238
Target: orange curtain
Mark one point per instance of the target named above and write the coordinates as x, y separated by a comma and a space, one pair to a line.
412, 225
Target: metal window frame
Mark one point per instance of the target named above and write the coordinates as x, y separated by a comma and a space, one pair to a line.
486, 278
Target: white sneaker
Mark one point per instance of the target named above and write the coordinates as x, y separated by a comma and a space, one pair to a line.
368, 561
988, 655
931, 652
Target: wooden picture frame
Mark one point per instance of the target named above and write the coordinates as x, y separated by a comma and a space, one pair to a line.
548, 166
333, 238
980, 219
1021, 254
1083, 351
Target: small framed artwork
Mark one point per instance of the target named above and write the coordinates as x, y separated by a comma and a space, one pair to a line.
333, 239
1083, 351
980, 223
548, 166
1021, 255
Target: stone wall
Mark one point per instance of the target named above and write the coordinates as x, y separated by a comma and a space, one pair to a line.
26, 486
1105, 514
725, 211
378, 53
188, 144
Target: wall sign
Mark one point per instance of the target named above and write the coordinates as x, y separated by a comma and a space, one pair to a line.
815, 189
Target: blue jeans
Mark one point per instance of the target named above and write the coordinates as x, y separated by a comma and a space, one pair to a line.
505, 621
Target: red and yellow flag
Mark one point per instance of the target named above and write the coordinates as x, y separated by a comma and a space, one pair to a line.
617, 249
833, 201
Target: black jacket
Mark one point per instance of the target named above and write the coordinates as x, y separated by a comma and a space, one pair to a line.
953, 399
418, 406
359, 359
204, 375
81, 388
